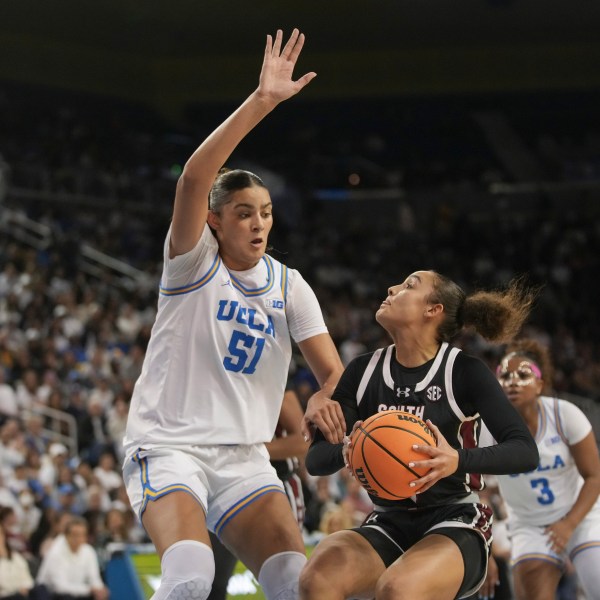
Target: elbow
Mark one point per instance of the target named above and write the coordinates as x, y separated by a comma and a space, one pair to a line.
186, 181
312, 465
532, 458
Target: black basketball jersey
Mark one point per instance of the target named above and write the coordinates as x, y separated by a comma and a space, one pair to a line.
453, 390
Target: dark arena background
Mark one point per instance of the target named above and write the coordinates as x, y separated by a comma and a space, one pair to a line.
457, 136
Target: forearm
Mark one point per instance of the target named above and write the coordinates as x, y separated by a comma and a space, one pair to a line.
211, 155
516, 455
287, 447
585, 500
200, 171
324, 458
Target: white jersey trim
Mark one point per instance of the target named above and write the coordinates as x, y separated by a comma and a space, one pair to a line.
196, 285
367, 375
387, 369
433, 369
449, 389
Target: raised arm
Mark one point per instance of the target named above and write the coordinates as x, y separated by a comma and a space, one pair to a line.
275, 85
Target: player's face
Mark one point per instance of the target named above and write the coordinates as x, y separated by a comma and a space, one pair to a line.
243, 227
520, 378
406, 302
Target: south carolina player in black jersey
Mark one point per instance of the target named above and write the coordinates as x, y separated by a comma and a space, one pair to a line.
435, 544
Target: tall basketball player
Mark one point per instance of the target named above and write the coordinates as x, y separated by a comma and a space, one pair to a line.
211, 387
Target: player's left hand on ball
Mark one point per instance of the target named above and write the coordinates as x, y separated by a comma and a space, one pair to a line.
347, 441
442, 461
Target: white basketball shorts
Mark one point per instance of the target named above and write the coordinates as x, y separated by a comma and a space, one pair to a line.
223, 479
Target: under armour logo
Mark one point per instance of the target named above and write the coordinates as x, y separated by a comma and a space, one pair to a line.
403, 392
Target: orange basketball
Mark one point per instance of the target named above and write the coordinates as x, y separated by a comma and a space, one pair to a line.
382, 449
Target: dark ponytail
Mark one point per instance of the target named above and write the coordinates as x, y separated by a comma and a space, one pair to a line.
496, 315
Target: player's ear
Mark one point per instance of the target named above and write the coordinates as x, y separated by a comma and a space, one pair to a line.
213, 220
432, 310
539, 386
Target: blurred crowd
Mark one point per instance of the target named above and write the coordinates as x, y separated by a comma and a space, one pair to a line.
72, 343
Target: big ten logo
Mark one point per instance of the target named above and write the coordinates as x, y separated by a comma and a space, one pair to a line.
270, 303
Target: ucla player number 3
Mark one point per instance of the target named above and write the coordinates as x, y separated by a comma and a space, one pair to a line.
245, 351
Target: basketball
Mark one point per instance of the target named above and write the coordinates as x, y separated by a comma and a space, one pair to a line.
382, 449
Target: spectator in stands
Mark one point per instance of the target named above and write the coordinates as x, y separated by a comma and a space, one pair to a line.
336, 518
67, 499
322, 500
13, 535
12, 445
7, 498
35, 437
116, 422
70, 568
51, 464
9, 406
356, 501
93, 433
15, 576
28, 513
106, 473
115, 528
27, 390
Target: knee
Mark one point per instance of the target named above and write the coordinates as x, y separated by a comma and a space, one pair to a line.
279, 575
313, 581
188, 569
388, 588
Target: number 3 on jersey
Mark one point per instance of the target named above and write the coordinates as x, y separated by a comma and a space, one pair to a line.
545, 493
245, 351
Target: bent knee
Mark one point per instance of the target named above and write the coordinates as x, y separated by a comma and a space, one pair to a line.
387, 589
390, 588
314, 581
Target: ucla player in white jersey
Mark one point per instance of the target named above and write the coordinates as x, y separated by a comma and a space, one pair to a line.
553, 511
214, 376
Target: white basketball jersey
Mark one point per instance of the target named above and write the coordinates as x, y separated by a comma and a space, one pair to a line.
218, 357
545, 495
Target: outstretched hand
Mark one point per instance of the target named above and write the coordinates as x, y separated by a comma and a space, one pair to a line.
275, 81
